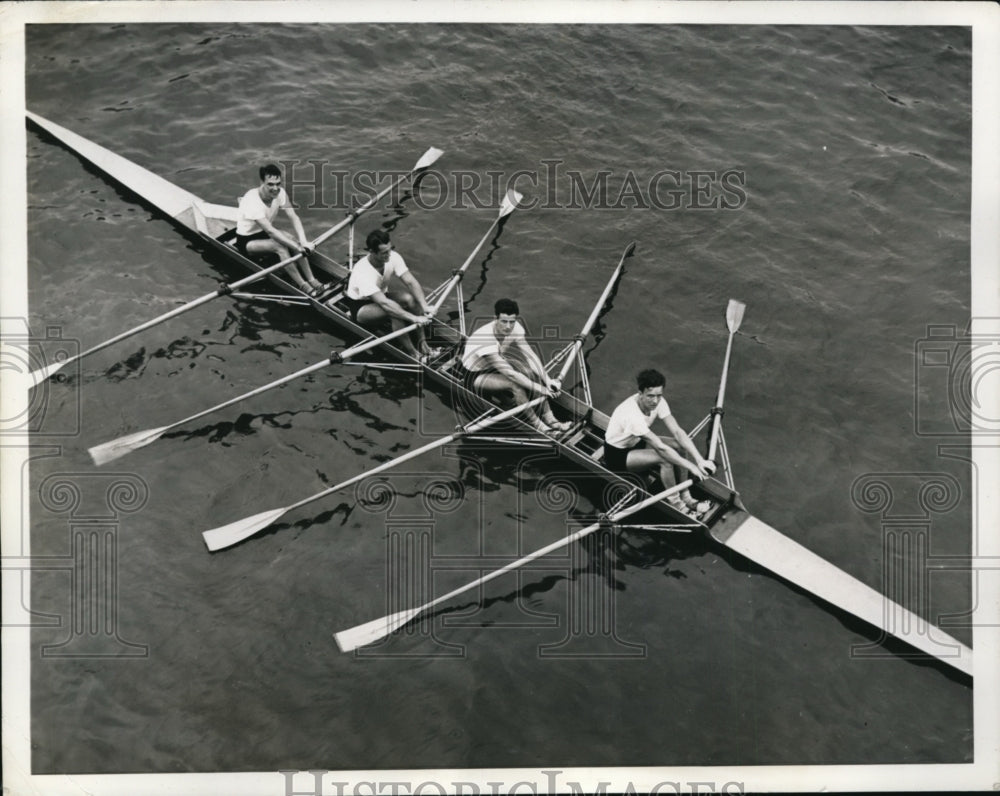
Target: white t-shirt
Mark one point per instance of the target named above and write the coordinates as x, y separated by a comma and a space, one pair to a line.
252, 209
366, 281
483, 342
628, 424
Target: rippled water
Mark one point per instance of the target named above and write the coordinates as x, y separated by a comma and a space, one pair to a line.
855, 148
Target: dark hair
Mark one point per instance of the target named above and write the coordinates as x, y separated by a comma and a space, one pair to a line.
376, 238
505, 306
269, 170
649, 378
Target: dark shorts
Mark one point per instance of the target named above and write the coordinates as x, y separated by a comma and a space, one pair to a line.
465, 376
243, 240
616, 459
354, 305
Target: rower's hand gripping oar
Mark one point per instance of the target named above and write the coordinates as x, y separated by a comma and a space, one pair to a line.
235, 532
109, 451
734, 317
377, 629
39, 375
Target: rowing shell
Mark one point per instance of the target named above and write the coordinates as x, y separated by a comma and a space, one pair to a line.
727, 521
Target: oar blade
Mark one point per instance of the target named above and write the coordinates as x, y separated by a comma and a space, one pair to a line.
510, 202
428, 158
235, 532
116, 448
40, 375
375, 630
734, 315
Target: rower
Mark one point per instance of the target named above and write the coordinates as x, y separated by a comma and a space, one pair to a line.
381, 287
630, 446
498, 361
256, 233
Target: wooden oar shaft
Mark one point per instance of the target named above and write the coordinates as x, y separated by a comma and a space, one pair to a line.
725, 374
277, 383
595, 313
373, 342
236, 532
438, 443
734, 317
457, 276
370, 632
507, 206
353, 215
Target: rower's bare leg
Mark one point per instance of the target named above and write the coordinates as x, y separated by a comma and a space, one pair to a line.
305, 267
373, 318
681, 474
545, 411
271, 247
550, 419
416, 338
492, 385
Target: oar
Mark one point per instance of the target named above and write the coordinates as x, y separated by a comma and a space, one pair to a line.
507, 206
734, 317
580, 338
109, 451
38, 376
378, 629
116, 448
234, 532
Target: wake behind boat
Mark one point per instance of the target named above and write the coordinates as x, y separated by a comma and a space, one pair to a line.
726, 520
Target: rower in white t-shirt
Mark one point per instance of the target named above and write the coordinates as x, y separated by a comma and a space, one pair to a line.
498, 360
630, 446
256, 233
381, 287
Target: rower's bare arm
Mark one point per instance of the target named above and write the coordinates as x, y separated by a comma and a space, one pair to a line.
666, 451
534, 361
414, 287
277, 235
297, 226
706, 467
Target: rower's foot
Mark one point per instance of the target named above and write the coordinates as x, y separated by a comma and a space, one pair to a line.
688, 499
318, 289
431, 354
677, 504
686, 504
560, 426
